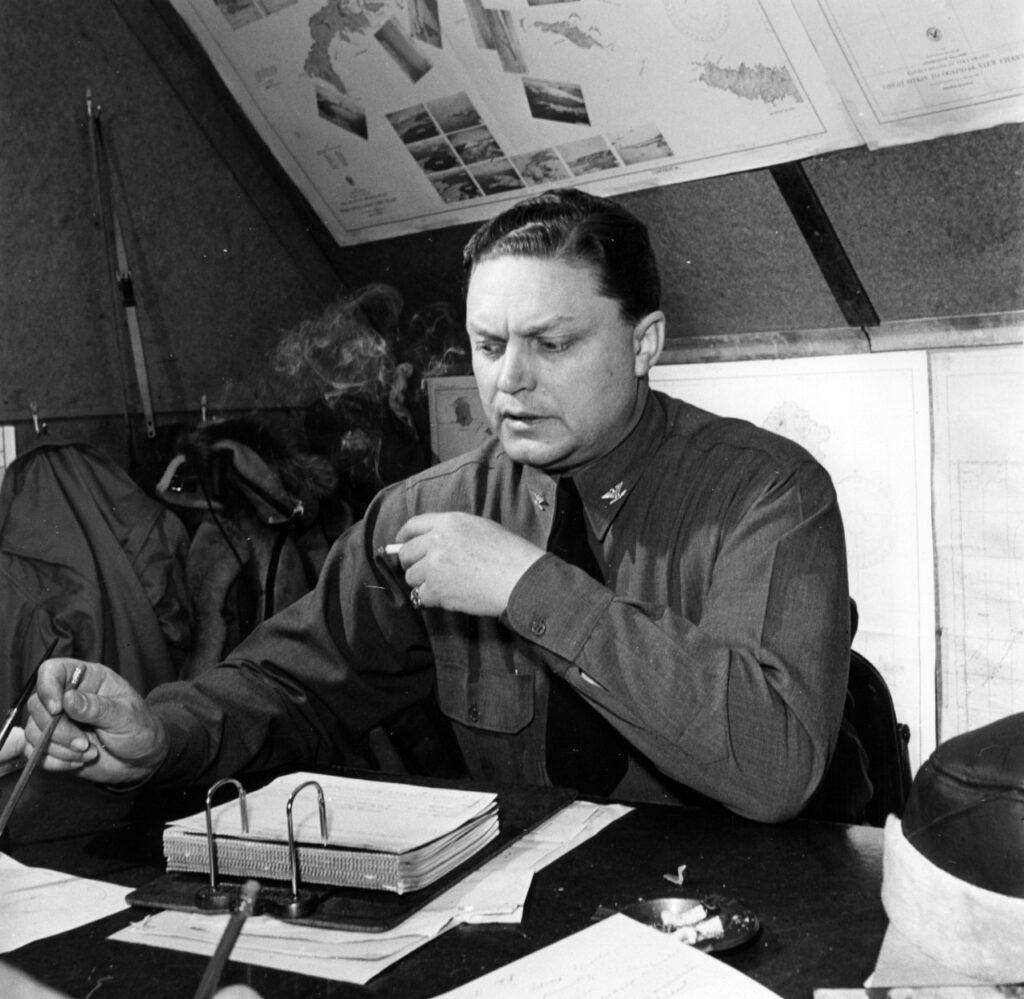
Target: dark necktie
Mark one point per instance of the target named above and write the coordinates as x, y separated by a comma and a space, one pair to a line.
583, 750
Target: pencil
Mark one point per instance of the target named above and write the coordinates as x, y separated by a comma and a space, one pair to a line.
211, 977
26, 693
37, 757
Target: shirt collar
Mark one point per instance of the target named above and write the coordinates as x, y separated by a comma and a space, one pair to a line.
607, 482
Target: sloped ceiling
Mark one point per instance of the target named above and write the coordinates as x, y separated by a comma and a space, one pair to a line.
226, 253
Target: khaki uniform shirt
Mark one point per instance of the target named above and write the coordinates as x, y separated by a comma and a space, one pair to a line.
718, 643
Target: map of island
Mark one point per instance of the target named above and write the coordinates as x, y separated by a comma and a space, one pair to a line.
571, 31
770, 84
345, 20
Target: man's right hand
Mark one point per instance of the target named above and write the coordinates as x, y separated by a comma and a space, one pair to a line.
107, 732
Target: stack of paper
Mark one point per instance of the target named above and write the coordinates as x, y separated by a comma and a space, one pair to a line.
378, 834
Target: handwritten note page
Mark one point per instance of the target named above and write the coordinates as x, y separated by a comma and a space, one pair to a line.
36, 903
617, 957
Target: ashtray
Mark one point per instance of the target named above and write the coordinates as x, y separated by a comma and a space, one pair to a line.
710, 924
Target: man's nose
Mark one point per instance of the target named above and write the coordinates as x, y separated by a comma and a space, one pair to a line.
516, 372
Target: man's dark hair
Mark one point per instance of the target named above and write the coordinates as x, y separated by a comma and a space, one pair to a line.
577, 228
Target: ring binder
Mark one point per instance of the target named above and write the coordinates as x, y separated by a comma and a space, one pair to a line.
214, 897
393, 845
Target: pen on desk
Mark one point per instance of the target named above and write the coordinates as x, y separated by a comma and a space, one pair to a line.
37, 756
26, 693
241, 912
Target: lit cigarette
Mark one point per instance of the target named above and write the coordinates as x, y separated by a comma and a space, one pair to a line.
389, 549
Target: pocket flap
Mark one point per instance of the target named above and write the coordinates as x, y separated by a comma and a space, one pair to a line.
494, 700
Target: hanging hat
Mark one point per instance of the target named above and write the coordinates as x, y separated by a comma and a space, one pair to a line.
182, 485
223, 461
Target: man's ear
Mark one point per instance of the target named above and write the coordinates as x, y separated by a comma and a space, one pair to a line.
648, 341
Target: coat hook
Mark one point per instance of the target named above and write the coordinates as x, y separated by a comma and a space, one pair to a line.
40, 426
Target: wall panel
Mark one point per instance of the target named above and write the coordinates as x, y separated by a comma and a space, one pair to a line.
221, 263
732, 259
934, 228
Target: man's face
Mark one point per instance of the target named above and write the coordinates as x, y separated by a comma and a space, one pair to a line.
555, 362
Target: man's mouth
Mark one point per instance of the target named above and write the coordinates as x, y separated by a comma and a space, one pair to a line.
523, 419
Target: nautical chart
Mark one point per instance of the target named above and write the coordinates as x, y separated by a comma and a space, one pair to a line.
401, 115
394, 116
918, 69
979, 532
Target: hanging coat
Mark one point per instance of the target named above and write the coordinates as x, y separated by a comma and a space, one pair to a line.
87, 557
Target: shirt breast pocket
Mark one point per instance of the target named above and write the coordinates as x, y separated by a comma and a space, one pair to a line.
494, 697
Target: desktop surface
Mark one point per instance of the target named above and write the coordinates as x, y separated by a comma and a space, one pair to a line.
815, 888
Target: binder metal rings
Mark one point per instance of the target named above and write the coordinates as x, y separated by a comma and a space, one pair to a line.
215, 897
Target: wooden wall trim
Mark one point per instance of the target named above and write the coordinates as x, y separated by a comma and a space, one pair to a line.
937, 333
817, 229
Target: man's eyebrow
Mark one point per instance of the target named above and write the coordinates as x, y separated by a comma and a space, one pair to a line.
555, 324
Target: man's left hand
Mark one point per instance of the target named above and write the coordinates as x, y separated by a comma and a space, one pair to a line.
461, 562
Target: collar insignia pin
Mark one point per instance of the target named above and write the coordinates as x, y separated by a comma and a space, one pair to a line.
615, 493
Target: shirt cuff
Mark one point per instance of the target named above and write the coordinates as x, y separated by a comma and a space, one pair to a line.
556, 605
187, 745
174, 770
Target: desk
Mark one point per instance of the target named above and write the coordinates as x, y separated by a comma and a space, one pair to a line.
815, 886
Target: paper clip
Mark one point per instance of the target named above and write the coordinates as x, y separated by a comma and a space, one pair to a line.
300, 904
217, 897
